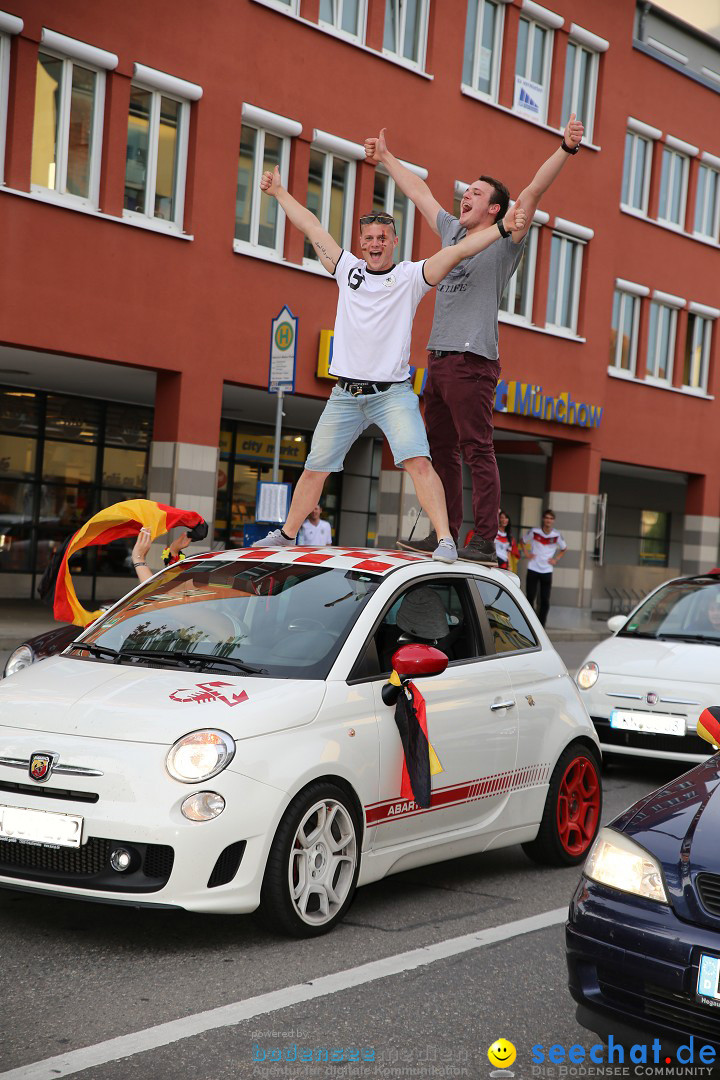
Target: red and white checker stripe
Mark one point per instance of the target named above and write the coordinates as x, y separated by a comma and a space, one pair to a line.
367, 560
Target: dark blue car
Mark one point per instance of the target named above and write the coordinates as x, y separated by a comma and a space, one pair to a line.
643, 935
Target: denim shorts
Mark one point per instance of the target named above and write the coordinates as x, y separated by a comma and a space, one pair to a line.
396, 411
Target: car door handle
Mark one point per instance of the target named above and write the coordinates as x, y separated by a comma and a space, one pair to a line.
501, 705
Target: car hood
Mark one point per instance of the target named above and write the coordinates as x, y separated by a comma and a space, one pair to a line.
680, 823
676, 661
134, 704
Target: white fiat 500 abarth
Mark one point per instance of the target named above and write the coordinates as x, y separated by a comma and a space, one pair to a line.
218, 741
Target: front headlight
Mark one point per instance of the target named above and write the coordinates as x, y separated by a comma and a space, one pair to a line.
200, 755
587, 676
620, 863
22, 657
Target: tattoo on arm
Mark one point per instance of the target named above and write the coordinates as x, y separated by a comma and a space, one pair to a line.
323, 251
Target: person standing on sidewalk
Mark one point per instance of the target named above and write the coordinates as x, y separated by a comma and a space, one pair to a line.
315, 531
371, 349
544, 547
463, 365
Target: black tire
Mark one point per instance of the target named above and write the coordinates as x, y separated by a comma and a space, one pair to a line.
573, 807
321, 903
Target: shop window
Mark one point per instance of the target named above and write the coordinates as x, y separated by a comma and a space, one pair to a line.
624, 334
125, 468
17, 456
518, 296
406, 30
16, 524
654, 537
345, 16
264, 143
387, 196
697, 353
636, 172
673, 187
67, 128
534, 50
581, 71
661, 342
483, 46
156, 154
707, 203
330, 196
510, 629
72, 418
564, 284
19, 411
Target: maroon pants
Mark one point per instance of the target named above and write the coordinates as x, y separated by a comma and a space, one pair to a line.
459, 397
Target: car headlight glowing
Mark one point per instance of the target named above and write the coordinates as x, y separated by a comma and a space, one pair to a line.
587, 676
21, 658
620, 863
200, 755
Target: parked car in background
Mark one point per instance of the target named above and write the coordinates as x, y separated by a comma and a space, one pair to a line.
643, 935
646, 686
219, 741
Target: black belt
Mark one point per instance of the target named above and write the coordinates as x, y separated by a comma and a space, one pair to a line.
438, 353
359, 386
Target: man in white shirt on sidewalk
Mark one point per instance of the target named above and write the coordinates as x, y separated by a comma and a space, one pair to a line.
314, 531
545, 547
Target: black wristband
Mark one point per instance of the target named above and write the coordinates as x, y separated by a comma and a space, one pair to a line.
502, 230
569, 149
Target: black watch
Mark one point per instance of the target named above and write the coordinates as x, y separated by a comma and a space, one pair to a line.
502, 230
569, 149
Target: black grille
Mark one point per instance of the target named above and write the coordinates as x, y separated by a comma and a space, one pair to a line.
650, 1002
49, 793
673, 744
708, 886
227, 865
88, 867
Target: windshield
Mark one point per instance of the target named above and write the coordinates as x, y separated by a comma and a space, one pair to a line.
688, 610
281, 621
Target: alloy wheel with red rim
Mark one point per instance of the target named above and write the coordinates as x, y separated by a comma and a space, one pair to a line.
578, 805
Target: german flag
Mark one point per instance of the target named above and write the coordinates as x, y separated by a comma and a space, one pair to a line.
421, 762
116, 522
708, 727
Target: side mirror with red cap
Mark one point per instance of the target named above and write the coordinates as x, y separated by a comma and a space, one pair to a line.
412, 661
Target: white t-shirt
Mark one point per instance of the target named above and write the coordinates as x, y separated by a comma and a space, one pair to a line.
544, 546
503, 546
373, 325
314, 535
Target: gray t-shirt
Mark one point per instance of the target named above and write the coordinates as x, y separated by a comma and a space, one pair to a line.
467, 300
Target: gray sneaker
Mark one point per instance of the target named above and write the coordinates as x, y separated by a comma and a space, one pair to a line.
274, 539
424, 547
446, 551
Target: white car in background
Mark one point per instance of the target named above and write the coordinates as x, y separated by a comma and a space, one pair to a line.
646, 686
218, 740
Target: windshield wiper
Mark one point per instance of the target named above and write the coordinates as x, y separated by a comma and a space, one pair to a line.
705, 638
95, 650
201, 660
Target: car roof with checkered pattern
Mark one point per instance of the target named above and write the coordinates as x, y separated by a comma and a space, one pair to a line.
365, 560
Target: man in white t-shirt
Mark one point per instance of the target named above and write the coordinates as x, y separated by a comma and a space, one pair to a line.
371, 352
314, 531
544, 547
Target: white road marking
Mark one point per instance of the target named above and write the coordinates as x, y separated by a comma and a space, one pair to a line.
139, 1042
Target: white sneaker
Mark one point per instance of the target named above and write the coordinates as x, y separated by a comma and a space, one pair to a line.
275, 538
446, 551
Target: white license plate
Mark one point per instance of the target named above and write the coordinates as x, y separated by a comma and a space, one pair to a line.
40, 827
708, 984
647, 722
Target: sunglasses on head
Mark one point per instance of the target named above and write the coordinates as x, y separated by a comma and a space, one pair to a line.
382, 219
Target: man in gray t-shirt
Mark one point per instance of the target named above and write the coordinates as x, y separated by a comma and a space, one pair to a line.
463, 365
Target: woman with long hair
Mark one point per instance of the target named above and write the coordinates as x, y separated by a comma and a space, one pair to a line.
506, 547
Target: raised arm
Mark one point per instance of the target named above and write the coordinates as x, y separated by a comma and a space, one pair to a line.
441, 263
530, 196
413, 186
328, 251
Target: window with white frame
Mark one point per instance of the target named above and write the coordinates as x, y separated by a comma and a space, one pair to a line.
662, 326
331, 187
518, 296
157, 142
345, 16
264, 143
566, 251
387, 196
532, 62
673, 187
483, 46
707, 203
405, 33
624, 335
636, 172
581, 68
68, 117
4, 82
697, 352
